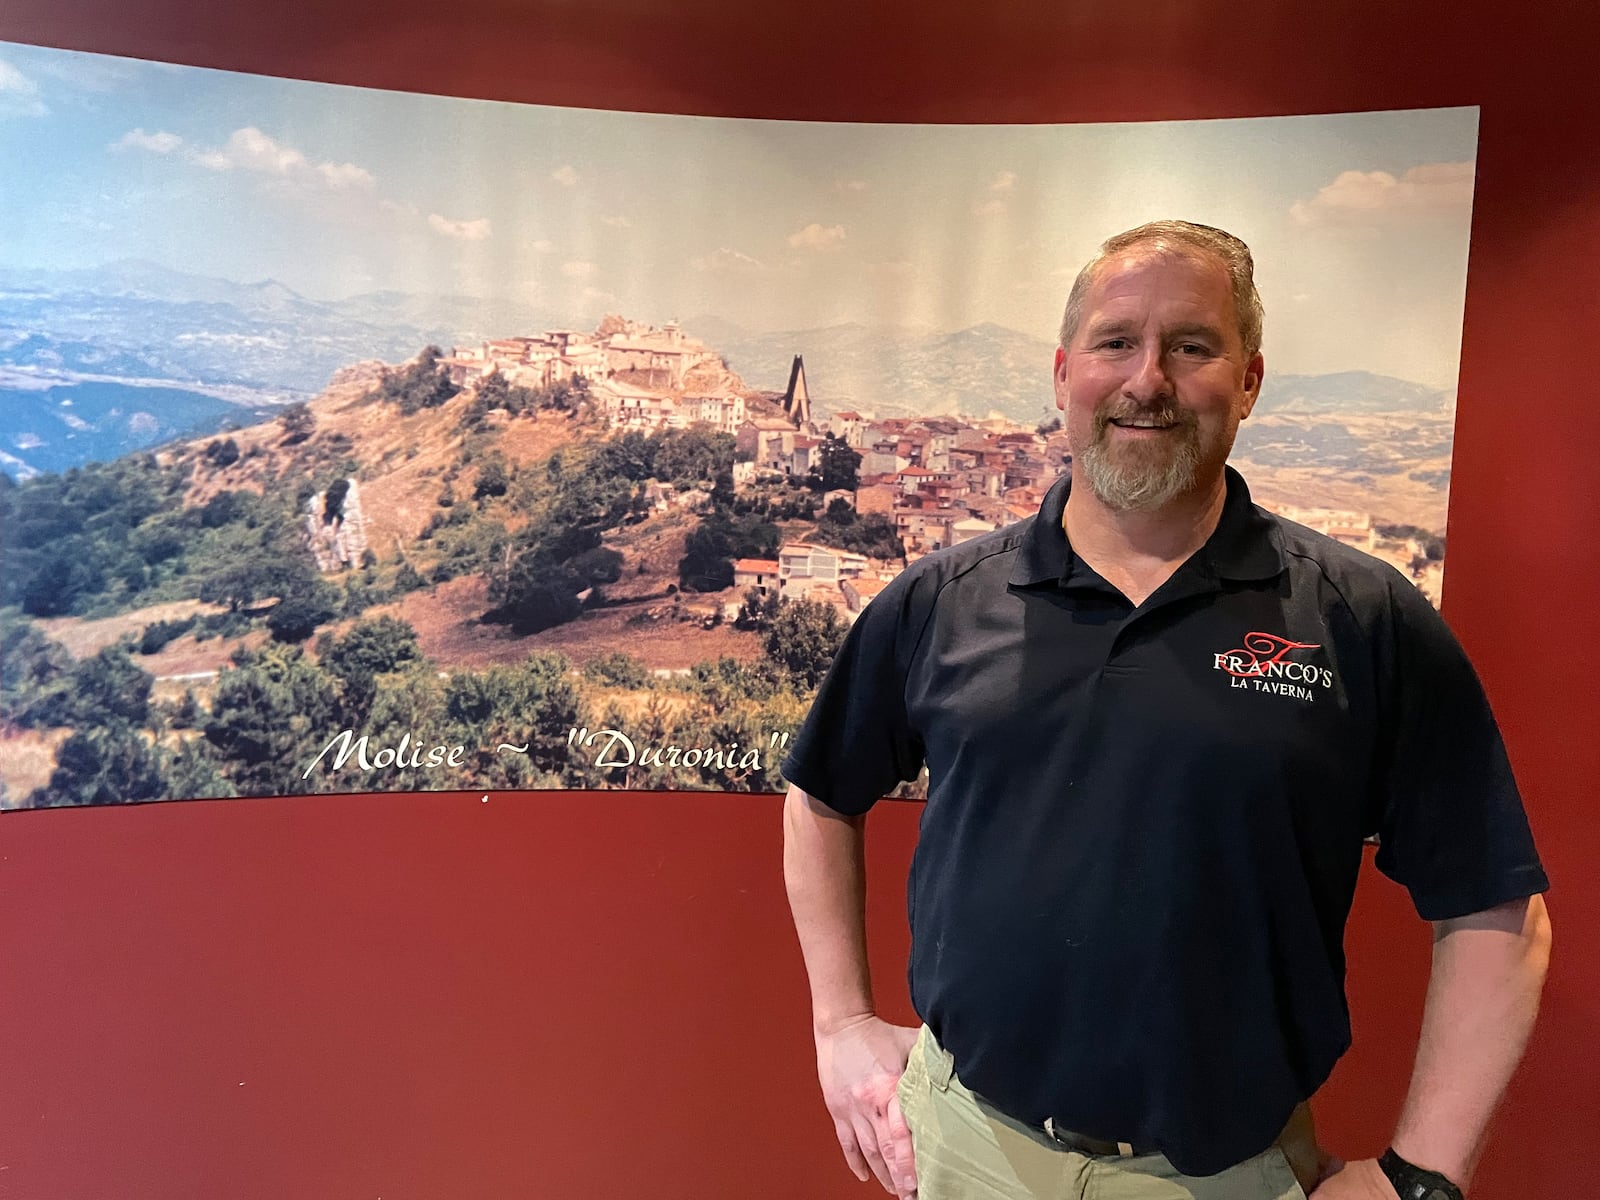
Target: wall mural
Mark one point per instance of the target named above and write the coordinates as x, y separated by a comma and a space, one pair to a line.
367, 441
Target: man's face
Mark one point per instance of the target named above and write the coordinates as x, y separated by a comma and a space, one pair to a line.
1155, 382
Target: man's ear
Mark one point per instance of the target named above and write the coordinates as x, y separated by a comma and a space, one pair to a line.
1254, 371
1059, 378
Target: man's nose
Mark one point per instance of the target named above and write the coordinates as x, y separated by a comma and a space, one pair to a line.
1147, 376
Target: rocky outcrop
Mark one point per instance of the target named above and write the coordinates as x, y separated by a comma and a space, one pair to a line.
336, 527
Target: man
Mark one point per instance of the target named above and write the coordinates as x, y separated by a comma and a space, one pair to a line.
1158, 724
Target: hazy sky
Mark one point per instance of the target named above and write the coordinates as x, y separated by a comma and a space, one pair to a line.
1359, 222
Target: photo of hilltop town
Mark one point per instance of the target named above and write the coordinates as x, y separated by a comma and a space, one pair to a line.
554, 536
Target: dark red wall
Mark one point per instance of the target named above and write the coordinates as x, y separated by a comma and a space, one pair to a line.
599, 995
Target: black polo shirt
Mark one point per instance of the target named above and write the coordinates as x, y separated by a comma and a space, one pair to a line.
1144, 824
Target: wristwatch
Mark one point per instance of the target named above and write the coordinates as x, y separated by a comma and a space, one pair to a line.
1415, 1183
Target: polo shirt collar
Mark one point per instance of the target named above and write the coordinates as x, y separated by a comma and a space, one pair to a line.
1245, 545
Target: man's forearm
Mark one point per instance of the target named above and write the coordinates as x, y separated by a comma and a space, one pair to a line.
824, 872
1483, 996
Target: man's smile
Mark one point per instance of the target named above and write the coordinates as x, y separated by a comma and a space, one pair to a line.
1144, 423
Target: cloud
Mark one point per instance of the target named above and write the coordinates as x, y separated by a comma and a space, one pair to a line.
617, 222
160, 142
97, 73
566, 176
13, 80
339, 191
848, 187
467, 231
345, 175
1374, 197
727, 261
249, 149
577, 270
19, 95
998, 191
817, 237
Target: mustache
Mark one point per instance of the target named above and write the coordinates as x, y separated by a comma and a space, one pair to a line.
1164, 414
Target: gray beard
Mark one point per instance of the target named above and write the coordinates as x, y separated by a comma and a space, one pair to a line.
1138, 486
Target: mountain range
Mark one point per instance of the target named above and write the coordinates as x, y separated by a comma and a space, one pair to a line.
210, 342
989, 368
138, 318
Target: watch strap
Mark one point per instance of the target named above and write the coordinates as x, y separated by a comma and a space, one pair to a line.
1412, 1182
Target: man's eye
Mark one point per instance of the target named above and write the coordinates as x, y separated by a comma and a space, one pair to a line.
1114, 344
1194, 349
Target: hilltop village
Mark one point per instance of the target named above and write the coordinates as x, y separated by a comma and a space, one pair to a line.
939, 480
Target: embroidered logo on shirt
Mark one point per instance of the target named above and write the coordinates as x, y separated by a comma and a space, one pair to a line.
1264, 662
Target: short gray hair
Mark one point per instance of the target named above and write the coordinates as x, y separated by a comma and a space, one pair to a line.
1187, 238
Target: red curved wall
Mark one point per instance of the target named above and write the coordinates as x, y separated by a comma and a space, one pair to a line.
599, 995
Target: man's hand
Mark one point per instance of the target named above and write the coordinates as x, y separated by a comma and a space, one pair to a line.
859, 1065
1362, 1180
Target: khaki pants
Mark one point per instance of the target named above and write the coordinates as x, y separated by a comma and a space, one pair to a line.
966, 1150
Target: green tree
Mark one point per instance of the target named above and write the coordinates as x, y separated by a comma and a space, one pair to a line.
373, 647
632, 455
707, 564
194, 773
63, 583
239, 583
298, 422
158, 542
874, 535
408, 579
422, 384
568, 396
227, 507
532, 705
296, 616
600, 565
110, 686
493, 478
269, 718
493, 391
34, 673
693, 455
158, 634
837, 465
538, 593
187, 714
618, 670
113, 764
758, 610
804, 638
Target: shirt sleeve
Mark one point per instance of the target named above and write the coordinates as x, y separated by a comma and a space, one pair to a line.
1452, 827
856, 743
